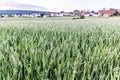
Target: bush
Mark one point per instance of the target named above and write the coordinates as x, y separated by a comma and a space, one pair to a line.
82, 17
79, 17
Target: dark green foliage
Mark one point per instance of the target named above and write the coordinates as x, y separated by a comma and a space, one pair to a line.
82, 17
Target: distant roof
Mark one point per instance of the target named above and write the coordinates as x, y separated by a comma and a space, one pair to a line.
108, 11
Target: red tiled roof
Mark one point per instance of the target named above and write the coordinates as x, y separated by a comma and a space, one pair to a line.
108, 12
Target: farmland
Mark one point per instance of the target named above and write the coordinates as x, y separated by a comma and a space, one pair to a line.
59, 49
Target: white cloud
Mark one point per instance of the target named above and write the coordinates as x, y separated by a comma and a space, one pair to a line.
69, 5
21, 6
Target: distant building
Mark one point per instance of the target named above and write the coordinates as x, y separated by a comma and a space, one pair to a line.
67, 13
23, 13
56, 14
107, 13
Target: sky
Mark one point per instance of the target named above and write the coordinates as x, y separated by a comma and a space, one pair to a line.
59, 5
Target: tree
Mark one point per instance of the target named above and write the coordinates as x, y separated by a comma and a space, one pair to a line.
62, 11
116, 13
112, 9
76, 12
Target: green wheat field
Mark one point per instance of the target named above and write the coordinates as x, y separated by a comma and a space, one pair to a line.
59, 49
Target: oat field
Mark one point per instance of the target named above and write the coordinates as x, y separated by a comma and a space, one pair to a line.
59, 49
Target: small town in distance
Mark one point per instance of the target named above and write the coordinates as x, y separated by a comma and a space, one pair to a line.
28, 13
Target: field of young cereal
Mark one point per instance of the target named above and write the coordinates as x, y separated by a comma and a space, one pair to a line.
59, 49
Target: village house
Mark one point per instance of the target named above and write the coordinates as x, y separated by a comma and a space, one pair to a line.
107, 13
85, 13
56, 14
5, 16
67, 13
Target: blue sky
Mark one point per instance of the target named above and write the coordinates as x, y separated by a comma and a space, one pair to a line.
60, 5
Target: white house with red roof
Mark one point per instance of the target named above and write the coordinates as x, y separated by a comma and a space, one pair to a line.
107, 13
